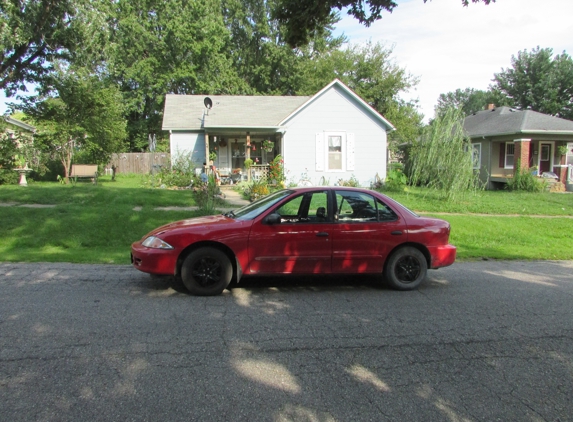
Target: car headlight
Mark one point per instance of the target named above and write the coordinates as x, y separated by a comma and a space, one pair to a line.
156, 243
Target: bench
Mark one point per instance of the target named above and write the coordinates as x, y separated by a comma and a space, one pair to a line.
84, 171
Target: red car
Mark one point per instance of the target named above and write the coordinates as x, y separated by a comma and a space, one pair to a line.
318, 230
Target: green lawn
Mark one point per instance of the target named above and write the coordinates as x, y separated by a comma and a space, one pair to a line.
97, 224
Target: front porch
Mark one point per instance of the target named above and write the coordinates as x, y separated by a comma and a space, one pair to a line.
229, 152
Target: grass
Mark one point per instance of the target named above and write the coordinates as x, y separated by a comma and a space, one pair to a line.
97, 224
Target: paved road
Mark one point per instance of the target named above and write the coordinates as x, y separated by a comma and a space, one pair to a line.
478, 342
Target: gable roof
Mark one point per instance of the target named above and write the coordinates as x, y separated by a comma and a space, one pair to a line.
188, 112
338, 84
19, 123
510, 121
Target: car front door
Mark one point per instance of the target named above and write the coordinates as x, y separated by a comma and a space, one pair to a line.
297, 242
365, 232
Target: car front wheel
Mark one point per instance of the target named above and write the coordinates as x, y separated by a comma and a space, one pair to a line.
406, 269
206, 272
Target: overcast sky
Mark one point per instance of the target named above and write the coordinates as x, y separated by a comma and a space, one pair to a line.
449, 46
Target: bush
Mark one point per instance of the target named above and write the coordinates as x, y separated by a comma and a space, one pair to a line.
180, 173
395, 181
352, 182
258, 189
524, 181
8, 177
206, 195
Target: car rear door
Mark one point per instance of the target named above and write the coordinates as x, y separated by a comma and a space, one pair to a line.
300, 243
365, 232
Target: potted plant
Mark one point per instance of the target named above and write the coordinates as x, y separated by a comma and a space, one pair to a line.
212, 156
268, 145
248, 163
562, 149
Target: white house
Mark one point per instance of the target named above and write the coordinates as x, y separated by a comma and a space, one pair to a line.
323, 138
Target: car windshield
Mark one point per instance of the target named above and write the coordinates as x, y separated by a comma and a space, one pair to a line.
255, 209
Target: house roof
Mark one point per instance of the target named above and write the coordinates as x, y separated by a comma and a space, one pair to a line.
19, 123
510, 121
188, 112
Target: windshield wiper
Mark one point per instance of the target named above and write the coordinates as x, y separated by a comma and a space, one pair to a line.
229, 214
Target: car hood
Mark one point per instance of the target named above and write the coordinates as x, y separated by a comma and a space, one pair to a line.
203, 224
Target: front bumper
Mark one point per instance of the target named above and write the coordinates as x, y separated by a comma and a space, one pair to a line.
442, 256
154, 261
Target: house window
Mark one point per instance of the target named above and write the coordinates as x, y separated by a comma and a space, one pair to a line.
335, 152
509, 155
476, 155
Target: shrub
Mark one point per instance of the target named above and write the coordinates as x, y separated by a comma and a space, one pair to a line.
206, 195
180, 173
8, 177
258, 189
352, 182
524, 180
395, 181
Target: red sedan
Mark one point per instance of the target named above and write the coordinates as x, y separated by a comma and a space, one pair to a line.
319, 230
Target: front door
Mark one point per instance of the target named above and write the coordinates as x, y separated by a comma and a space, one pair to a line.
299, 244
544, 157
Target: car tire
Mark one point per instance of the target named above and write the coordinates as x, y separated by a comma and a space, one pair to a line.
206, 272
406, 269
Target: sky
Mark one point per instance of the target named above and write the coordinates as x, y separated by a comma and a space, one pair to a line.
449, 46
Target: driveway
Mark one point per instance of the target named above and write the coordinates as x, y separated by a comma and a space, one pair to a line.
480, 341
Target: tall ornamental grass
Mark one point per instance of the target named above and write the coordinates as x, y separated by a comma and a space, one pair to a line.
441, 159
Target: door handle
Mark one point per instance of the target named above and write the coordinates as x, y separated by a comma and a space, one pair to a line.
322, 234
397, 233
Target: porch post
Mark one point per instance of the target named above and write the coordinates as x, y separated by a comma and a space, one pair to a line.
206, 150
521, 152
248, 154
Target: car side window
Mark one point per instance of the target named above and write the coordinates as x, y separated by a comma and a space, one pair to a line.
309, 207
359, 207
385, 213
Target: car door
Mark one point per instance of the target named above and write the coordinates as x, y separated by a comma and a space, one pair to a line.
364, 233
299, 243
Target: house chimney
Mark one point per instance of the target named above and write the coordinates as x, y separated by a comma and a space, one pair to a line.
490, 107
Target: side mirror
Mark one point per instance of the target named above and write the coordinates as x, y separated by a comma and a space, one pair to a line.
273, 218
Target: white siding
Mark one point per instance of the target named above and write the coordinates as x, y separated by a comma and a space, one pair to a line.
187, 142
335, 111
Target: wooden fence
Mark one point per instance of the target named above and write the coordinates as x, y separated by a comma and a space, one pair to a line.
139, 162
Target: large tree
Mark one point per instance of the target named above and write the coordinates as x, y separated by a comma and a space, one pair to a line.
34, 33
470, 100
302, 18
538, 81
161, 47
85, 113
370, 71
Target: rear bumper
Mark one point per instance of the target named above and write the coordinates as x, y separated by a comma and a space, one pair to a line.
442, 256
153, 261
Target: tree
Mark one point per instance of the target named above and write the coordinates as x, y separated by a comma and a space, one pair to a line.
86, 114
441, 159
370, 72
160, 47
470, 100
34, 33
538, 82
303, 18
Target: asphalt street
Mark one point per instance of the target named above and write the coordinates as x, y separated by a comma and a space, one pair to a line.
479, 341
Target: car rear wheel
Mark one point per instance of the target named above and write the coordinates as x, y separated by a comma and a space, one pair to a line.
206, 272
406, 269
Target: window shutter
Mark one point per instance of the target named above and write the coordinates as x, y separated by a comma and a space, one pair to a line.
350, 152
502, 155
319, 152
